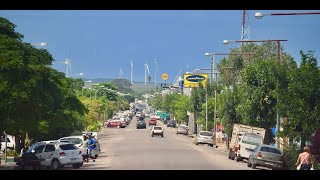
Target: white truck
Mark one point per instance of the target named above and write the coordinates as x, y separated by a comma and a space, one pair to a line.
243, 140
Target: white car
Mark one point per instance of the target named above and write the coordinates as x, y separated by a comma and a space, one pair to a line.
57, 154
248, 142
157, 117
10, 142
157, 130
78, 141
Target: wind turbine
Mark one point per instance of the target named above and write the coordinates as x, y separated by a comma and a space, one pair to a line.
146, 67
155, 71
121, 73
131, 72
68, 67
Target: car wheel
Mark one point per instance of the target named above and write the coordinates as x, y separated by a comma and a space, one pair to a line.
253, 166
249, 164
151, 135
162, 135
237, 159
232, 157
196, 143
96, 156
211, 145
229, 157
55, 164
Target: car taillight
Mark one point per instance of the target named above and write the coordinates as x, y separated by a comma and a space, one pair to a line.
281, 158
62, 153
79, 152
259, 155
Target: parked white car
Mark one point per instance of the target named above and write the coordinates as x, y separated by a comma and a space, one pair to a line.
10, 142
247, 144
79, 142
156, 130
57, 154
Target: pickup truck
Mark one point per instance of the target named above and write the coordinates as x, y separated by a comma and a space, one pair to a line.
243, 140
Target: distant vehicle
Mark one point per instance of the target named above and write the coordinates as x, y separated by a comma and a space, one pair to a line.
141, 118
183, 129
242, 150
204, 137
141, 124
166, 119
266, 156
157, 117
156, 130
117, 123
152, 122
172, 123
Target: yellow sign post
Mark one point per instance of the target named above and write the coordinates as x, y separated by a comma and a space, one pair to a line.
165, 76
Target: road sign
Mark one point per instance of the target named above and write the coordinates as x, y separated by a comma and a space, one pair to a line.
191, 80
165, 76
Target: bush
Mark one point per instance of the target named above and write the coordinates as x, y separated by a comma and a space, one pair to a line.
12, 153
290, 155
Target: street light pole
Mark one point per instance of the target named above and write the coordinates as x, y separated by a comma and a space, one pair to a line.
260, 15
207, 106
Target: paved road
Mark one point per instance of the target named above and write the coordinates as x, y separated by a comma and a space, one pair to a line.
134, 149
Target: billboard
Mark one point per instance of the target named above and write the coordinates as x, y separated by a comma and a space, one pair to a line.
192, 80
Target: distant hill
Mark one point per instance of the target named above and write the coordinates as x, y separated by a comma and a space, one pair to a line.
101, 80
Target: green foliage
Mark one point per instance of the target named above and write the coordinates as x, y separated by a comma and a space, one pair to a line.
12, 153
302, 100
182, 105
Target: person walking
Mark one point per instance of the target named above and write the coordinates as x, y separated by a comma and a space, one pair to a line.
304, 161
92, 146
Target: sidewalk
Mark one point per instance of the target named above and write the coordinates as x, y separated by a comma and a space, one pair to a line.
8, 165
220, 146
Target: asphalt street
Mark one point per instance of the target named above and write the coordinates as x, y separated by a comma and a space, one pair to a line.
134, 149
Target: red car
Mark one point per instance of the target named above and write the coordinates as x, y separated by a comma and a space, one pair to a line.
115, 123
152, 121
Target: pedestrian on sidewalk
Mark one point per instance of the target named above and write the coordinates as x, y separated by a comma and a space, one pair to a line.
92, 146
304, 160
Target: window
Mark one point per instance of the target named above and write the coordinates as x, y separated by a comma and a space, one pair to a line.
74, 140
39, 149
157, 128
2, 139
49, 148
254, 140
68, 147
206, 133
271, 150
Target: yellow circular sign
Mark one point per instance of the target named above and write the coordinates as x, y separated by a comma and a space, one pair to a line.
164, 76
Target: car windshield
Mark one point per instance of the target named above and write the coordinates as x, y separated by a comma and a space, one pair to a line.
206, 133
74, 140
68, 147
270, 150
254, 140
183, 127
157, 128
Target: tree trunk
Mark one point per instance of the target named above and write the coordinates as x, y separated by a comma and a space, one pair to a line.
27, 140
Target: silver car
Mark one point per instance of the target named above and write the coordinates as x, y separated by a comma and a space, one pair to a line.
204, 137
182, 129
266, 156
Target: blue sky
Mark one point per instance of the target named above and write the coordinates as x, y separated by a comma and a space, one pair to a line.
102, 42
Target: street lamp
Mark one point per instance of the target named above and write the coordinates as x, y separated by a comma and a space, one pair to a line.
40, 44
225, 42
260, 15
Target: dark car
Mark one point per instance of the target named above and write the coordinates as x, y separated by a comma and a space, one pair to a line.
141, 124
172, 123
141, 118
166, 119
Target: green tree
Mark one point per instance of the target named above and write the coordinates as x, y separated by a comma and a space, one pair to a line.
182, 105
301, 100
